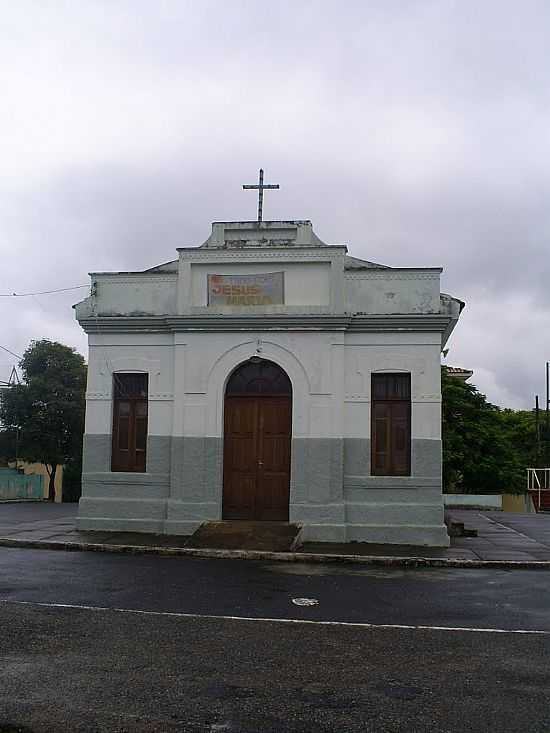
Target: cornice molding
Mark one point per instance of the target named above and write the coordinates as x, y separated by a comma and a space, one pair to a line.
261, 322
253, 254
107, 396
353, 398
391, 275
411, 322
131, 278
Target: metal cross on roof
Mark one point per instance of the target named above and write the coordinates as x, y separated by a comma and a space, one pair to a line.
260, 186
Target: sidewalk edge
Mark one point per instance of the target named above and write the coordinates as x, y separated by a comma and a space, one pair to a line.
264, 555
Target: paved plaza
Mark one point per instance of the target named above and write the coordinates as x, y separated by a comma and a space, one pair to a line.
500, 536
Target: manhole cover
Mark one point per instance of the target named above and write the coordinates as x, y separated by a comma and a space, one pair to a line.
305, 601
401, 692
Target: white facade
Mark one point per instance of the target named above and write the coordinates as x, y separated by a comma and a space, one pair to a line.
342, 320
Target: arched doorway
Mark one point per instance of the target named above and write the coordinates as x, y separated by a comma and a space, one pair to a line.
257, 433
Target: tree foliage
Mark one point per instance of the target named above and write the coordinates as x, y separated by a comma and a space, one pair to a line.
46, 411
485, 448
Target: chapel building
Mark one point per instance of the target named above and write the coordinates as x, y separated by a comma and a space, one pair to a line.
266, 375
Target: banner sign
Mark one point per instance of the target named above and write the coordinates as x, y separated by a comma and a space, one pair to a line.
258, 289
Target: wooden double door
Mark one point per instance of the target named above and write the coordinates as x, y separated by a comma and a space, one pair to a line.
256, 481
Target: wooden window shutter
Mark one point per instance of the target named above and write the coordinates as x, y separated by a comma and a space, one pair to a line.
381, 438
400, 439
129, 446
391, 425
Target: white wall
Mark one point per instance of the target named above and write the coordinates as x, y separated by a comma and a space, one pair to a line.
151, 353
133, 295
312, 280
330, 374
207, 360
192, 403
392, 291
417, 353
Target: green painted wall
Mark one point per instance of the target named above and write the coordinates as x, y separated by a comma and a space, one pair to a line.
15, 485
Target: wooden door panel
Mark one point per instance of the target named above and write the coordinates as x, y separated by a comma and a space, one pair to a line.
272, 498
276, 454
240, 462
242, 454
238, 500
257, 458
275, 415
274, 462
240, 417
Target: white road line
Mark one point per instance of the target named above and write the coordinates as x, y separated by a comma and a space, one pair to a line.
352, 624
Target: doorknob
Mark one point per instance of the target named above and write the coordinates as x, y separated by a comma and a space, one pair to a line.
260, 463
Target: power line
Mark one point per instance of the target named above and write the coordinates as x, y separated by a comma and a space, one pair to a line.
11, 352
43, 292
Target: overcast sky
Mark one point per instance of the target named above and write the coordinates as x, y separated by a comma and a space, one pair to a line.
415, 132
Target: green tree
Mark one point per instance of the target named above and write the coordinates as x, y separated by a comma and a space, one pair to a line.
485, 448
8, 446
46, 411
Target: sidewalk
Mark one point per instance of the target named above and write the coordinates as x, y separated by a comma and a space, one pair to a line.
515, 540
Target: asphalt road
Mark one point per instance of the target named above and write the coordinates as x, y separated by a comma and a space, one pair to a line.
91, 668
353, 593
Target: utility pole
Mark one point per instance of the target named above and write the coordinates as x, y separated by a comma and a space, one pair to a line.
537, 431
547, 436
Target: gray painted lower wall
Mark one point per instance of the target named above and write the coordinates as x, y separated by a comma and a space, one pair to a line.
425, 458
356, 456
118, 501
196, 469
331, 492
393, 509
195, 484
316, 470
316, 486
96, 456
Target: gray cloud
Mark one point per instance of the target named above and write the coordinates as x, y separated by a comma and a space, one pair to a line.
416, 132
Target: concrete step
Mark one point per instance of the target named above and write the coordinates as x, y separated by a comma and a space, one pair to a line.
245, 535
397, 513
420, 535
456, 528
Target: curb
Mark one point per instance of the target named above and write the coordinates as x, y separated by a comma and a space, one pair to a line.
21, 501
265, 555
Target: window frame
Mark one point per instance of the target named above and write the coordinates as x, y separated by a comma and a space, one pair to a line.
394, 408
133, 458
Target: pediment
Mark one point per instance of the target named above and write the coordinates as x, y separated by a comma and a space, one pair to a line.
265, 234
